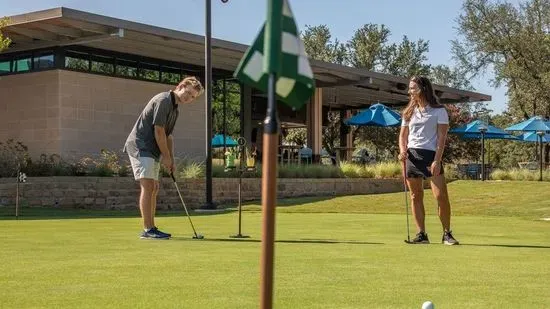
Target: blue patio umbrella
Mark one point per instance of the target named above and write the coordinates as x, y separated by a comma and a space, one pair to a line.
489, 136
378, 115
533, 137
478, 129
217, 141
534, 124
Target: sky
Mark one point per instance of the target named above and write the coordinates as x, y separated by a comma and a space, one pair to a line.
240, 20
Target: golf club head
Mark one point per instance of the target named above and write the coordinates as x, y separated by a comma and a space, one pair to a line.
198, 236
408, 241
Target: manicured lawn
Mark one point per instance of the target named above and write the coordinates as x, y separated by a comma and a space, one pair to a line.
344, 252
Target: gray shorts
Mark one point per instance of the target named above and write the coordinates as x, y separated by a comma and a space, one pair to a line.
419, 163
145, 167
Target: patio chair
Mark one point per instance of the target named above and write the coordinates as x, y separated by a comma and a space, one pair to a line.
305, 154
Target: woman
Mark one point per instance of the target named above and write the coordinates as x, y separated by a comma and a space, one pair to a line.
421, 143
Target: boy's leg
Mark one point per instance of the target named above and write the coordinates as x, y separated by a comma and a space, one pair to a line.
145, 201
154, 193
146, 171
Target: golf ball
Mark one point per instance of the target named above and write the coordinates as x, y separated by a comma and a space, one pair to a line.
428, 305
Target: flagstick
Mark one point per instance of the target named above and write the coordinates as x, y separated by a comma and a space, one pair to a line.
272, 66
269, 195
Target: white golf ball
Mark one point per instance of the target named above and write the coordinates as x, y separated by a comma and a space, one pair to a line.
428, 305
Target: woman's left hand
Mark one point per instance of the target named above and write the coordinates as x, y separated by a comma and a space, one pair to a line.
435, 168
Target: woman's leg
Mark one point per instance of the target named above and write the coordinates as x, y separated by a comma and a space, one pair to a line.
417, 202
439, 190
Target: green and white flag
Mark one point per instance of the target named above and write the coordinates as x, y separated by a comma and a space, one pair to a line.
295, 83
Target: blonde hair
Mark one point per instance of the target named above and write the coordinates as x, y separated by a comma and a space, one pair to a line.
193, 82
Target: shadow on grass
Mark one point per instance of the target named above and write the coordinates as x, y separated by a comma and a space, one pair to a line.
508, 246
292, 241
255, 205
41, 213
45, 213
298, 201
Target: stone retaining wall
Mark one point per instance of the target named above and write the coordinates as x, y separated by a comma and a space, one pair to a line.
123, 192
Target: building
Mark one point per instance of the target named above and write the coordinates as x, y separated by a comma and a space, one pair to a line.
76, 81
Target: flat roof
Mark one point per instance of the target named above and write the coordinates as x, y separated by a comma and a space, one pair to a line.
345, 87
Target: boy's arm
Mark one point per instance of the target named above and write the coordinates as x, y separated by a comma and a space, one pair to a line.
162, 141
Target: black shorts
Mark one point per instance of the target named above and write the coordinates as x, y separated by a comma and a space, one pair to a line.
419, 163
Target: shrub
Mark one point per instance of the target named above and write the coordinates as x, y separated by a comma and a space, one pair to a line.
13, 155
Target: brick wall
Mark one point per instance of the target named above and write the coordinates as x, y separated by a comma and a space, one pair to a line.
29, 110
122, 193
75, 114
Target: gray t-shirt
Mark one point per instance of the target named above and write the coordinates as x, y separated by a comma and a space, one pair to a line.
423, 127
162, 110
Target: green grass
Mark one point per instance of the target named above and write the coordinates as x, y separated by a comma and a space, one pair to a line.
520, 174
491, 198
344, 252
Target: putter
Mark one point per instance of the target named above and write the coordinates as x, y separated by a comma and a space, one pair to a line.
408, 240
196, 236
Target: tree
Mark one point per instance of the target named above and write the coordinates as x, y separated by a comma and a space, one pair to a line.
297, 136
515, 43
507, 154
318, 45
369, 49
367, 46
459, 114
381, 141
233, 108
4, 41
406, 58
444, 75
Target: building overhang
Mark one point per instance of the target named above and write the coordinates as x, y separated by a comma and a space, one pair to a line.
345, 87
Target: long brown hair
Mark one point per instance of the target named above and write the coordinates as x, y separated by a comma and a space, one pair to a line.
426, 93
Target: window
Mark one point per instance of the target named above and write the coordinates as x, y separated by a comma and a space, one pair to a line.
43, 61
149, 71
126, 68
101, 64
170, 75
23, 64
97, 61
77, 61
5, 67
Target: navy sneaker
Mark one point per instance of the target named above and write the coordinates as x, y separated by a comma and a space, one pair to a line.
153, 234
159, 231
421, 238
448, 239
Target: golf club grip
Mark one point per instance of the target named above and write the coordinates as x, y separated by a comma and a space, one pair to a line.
404, 166
173, 178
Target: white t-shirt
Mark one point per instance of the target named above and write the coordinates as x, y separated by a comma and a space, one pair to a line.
423, 127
